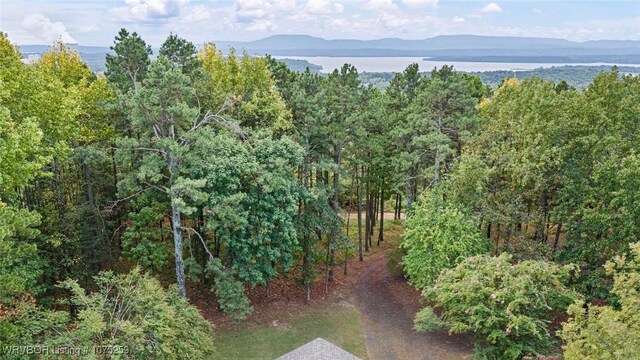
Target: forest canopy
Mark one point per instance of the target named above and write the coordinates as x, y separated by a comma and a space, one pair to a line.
122, 192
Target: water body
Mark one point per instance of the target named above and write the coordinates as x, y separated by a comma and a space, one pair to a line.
398, 64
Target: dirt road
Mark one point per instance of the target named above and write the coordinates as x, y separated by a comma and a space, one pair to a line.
388, 305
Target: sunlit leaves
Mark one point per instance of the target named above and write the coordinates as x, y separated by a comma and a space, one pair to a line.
608, 332
508, 307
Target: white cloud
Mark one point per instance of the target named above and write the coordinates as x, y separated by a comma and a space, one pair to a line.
393, 22
89, 28
417, 3
322, 7
47, 30
200, 13
262, 25
458, 19
249, 10
491, 8
148, 10
253, 9
536, 11
380, 5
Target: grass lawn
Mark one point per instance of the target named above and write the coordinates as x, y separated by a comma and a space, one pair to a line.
337, 324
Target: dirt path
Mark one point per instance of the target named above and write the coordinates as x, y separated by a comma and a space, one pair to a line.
388, 305
387, 216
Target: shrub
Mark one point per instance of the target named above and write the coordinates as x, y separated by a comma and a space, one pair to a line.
507, 307
608, 332
229, 291
394, 261
438, 236
427, 320
135, 313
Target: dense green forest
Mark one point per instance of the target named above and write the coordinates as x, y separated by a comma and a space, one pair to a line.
122, 192
578, 76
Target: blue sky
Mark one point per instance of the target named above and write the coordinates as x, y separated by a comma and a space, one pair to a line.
97, 22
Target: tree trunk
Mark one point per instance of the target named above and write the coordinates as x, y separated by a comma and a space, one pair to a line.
177, 243
395, 208
176, 221
359, 208
60, 197
557, 236
346, 247
88, 186
336, 206
326, 274
436, 175
367, 219
409, 199
308, 179
380, 232
374, 211
540, 226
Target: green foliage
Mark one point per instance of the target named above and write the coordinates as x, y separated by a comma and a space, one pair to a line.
229, 291
599, 197
432, 119
180, 53
20, 266
394, 261
23, 323
438, 236
508, 307
134, 311
608, 332
129, 63
427, 320
144, 241
245, 87
576, 76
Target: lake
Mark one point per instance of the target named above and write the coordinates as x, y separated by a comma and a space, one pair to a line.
398, 64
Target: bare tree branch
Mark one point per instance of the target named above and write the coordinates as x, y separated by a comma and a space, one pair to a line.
204, 245
111, 206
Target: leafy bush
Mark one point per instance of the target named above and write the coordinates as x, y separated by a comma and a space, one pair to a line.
23, 323
229, 291
438, 236
608, 332
427, 320
20, 265
143, 242
507, 307
394, 261
135, 312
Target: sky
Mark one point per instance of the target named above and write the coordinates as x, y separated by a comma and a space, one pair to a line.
97, 22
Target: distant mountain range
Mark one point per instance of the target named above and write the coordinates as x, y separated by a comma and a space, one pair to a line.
442, 48
443, 42
451, 48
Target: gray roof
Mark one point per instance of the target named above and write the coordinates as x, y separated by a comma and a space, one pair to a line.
318, 349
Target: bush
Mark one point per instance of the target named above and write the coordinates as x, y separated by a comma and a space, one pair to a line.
438, 236
134, 312
229, 291
23, 323
394, 261
608, 332
507, 307
427, 320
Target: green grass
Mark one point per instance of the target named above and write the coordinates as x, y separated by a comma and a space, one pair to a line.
337, 324
392, 234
